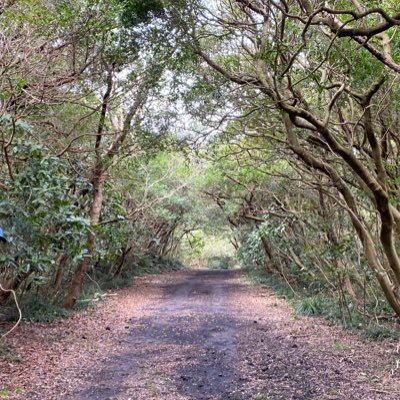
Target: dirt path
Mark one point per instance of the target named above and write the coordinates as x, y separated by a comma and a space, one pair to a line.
207, 335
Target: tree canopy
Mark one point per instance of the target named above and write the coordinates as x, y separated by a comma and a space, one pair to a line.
256, 132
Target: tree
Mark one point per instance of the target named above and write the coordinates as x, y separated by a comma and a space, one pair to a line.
144, 73
321, 100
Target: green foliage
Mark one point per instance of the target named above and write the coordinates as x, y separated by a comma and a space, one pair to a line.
41, 213
250, 252
379, 332
326, 305
153, 263
276, 283
314, 305
140, 11
35, 309
41, 311
197, 244
45, 214
220, 262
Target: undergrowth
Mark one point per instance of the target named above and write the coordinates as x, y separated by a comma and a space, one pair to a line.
220, 262
306, 301
100, 280
313, 305
39, 308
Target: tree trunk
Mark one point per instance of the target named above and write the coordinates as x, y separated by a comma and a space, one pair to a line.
333, 238
62, 260
269, 263
388, 285
95, 211
12, 284
120, 262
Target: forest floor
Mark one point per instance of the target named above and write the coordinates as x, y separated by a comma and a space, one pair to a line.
195, 334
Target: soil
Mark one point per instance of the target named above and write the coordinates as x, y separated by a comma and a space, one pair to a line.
197, 334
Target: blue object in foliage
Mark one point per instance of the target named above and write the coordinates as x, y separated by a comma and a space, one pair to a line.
2, 237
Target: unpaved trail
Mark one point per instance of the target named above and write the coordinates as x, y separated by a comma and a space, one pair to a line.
199, 335
214, 337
